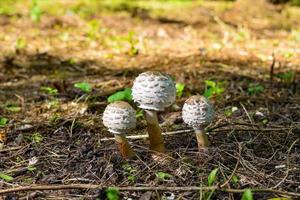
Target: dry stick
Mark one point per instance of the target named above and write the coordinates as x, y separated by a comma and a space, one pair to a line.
186, 131
159, 188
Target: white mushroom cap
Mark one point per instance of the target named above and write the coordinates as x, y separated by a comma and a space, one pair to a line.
197, 111
153, 91
119, 117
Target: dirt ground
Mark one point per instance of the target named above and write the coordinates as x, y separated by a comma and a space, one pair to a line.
251, 51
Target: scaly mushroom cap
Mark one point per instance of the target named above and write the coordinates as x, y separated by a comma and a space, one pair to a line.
119, 117
197, 111
153, 91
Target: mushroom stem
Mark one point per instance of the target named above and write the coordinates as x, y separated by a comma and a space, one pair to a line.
202, 139
124, 146
154, 131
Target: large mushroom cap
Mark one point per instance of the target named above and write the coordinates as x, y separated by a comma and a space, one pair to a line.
197, 111
119, 117
153, 91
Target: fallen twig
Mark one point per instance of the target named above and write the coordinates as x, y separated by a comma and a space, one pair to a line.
154, 188
186, 131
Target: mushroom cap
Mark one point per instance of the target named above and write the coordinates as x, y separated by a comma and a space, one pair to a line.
153, 91
119, 117
197, 111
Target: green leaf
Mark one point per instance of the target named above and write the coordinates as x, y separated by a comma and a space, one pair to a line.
212, 177
85, 87
31, 168
112, 193
35, 11
49, 90
13, 108
287, 77
254, 89
162, 176
125, 95
139, 113
213, 88
247, 195
21, 43
179, 89
210, 83
6, 177
208, 93
3, 121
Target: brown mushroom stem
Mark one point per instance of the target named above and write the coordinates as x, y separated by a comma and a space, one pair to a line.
202, 139
154, 131
124, 146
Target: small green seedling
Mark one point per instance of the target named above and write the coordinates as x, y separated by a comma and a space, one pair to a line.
255, 88
35, 11
93, 29
20, 44
163, 176
129, 172
124, 95
12, 108
212, 177
49, 90
247, 195
3, 121
139, 113
85, 87
213, 88
179, 89
228, 112
112, 193
36, 138
131, 39
287, 77
6, 177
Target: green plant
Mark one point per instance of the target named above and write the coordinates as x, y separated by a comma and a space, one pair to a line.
287, 76
131, 39
163, 176
93, 29
124, 95
12, 107
112, 193
213, 88
83, 86
49, 90
212, 177
255, 88
139, 113
6, 177
20, 44
247, 195
129, 172
179, 89
228, 112
35, 11
3, 121
36, 138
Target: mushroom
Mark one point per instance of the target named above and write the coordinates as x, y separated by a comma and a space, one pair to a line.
119, 118
154, 91
197, 112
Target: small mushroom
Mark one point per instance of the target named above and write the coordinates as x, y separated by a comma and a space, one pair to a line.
197, 112
119, 118
154, 91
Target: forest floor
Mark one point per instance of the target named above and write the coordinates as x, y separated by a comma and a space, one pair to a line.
52, 133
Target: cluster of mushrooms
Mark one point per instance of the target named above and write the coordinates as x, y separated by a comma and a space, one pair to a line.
153, 92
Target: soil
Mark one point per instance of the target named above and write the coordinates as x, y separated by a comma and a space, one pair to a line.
60, 139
